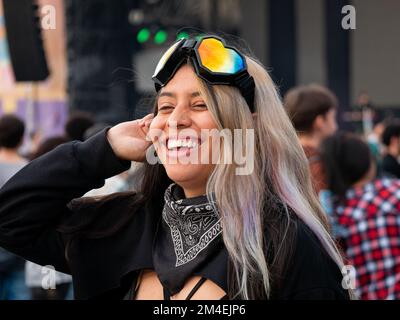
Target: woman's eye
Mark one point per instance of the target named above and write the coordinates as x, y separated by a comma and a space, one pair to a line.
200, 106
165, 108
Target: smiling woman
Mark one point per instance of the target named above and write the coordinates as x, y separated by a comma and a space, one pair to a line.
180, 107
192, 230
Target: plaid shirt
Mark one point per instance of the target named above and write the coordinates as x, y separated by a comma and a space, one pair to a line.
369, 220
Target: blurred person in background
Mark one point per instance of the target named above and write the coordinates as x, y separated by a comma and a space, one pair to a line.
363, 104
312, 110
374, 139
367, 212
391, 141
31, 144
364, 101
77, 124
36, 137
12, 278
35, 273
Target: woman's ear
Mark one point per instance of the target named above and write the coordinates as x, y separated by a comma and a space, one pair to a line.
254, 115
318, 123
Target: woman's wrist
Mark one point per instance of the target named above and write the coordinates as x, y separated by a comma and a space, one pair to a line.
111, 142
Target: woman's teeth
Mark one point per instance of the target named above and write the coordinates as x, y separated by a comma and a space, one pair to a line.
181, 143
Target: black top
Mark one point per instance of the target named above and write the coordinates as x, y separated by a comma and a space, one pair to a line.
40, 197
391, 166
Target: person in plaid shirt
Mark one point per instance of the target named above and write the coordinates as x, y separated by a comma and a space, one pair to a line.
366, 216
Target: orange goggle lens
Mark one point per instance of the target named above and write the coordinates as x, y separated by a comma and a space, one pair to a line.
218, 59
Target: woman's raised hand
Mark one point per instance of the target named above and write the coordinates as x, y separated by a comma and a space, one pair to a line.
128, 139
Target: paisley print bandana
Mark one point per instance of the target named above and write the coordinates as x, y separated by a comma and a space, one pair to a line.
188, 235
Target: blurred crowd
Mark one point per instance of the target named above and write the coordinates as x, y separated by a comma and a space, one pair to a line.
24, 280
356, 177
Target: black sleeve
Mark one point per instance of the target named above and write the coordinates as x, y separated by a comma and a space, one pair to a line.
34, 201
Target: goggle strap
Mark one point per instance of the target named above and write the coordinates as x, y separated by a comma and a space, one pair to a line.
189, 44
246, 85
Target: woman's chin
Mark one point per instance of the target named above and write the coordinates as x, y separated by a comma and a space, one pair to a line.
182, 172
187, 173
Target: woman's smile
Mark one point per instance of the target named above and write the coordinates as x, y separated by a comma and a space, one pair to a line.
178, 147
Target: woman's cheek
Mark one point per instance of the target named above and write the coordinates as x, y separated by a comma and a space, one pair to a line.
156, 129
155, 122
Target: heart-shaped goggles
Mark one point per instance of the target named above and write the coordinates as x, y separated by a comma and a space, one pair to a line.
214, 62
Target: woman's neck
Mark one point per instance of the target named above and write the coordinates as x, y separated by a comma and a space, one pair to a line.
368, 177
191, 192
361, 183
10, 155
310, 140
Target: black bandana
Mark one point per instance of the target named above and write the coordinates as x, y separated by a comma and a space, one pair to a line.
188, 237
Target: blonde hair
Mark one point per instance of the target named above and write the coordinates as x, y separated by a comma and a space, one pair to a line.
279, 159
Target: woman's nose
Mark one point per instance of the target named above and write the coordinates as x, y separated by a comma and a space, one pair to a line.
179, 118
